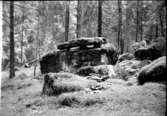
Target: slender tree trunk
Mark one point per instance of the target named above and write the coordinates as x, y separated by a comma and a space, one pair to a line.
12, 55
118, 36
37, 47
120, 41
36, 51
127, 28
22, 37
137, 20
79, 14
141, 20
67, 14
141, 34
157, 21
164, 20
99, 18
43, 27
156, 31
161, 21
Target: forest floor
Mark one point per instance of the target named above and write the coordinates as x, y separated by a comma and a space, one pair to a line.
22, 96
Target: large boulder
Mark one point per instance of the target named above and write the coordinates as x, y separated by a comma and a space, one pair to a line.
129, 68
150, 53
141, 64
57, 83
154, 72
85, 71
153, 51
110, 51
101, 70
160, 44
50, 62
99, 73
138, 45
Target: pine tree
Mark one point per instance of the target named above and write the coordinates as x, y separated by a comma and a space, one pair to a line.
79, 14
67, 14
22, 32
12, 55
120, 41
99, 18
137, 20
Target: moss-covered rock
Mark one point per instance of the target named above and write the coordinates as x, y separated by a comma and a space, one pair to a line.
101, 71
58, 83
154, 72
129, 68
150, 53
153, 51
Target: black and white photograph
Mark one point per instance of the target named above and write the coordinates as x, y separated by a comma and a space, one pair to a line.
83, 58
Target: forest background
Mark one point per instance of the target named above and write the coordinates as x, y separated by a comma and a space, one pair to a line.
41, 25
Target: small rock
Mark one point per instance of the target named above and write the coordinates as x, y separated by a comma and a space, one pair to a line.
125, 56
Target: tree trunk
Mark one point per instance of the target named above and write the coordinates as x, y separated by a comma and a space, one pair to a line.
141, 20
127, 28
137, 20
22, 37
12, 55
79, 14
156, 31
37, 47
99, 18
67, 14
157, 28
164, 19
120, 41
161, 22
43, 28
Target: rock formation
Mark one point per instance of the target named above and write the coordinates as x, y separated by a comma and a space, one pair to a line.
78, 53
